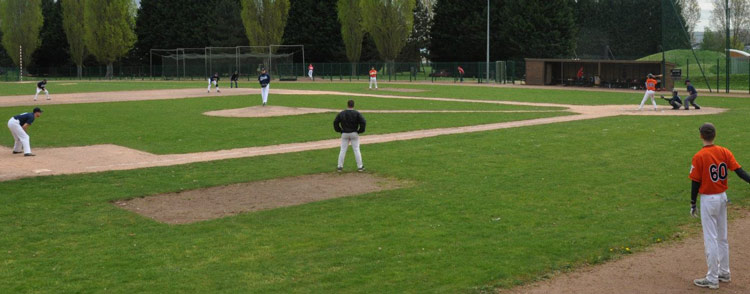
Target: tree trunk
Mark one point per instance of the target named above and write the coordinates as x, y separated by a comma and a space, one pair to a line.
80, 71
109, 74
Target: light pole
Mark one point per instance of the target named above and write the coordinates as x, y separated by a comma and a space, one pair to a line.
727, 45
488, 42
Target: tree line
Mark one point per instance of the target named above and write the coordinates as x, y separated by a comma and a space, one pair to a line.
93, 32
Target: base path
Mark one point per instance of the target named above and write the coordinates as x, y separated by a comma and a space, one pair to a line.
98, 158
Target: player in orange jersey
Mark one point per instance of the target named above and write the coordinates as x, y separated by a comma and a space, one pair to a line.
709, 173
373, 77
650, 88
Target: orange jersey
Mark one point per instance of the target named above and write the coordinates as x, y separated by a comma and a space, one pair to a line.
711, 166
373, 73
651, 84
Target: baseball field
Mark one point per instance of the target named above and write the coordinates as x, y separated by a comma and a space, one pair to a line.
472, 189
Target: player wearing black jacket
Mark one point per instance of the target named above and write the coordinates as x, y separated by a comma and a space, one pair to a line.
350, 123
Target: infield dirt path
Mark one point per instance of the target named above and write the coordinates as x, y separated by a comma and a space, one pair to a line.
662, 269
97, 158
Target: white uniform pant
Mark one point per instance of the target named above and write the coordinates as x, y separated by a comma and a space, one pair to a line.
40, 90
264, 93
20, 136
714, 221
649, 93
352, 138
309, 74
215, 84
373, 81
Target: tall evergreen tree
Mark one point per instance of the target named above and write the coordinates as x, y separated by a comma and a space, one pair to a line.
539, 28
352, 32
459, 29
169, 24
75, 31
21, 22
264, 21
53, 49
418, 42
390, 22
109, 30
226, 29
5, 60
315, 24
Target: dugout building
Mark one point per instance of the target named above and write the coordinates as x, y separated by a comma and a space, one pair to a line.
596, 73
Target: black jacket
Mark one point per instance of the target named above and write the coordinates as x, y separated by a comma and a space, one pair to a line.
349, 121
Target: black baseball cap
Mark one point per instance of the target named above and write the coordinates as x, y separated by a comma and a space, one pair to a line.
37, 109
687, 81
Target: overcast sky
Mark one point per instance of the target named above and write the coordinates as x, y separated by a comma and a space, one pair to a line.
706, 8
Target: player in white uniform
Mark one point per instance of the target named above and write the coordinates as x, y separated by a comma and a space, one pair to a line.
40, 86
310, 71
214, 79
264, 79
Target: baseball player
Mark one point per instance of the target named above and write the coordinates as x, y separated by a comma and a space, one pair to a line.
214, 79
310, 71
693, 94
350, 123
650, 88
19, 126
233, 79
373, 77
461, 73
264, 79
40, 86
709, 173
674, 101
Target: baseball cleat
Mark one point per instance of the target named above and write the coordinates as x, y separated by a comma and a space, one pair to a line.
17, 152
361, 169
705, 283
29, 154
725, 278
339, 169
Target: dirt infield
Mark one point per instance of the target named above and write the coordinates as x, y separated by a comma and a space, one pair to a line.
97, 158
668, 268
216, 202
663, 269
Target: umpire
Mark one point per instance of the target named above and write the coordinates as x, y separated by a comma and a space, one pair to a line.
350, 123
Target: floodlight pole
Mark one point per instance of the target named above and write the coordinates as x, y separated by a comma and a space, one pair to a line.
488, 42
727, 45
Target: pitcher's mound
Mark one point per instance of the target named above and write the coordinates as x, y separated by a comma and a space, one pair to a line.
216, 202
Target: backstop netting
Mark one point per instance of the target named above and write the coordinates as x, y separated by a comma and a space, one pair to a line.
247, 61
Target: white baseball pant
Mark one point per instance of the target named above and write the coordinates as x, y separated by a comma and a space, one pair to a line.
209, 86
352, 138
39, 90
373, 80
309, 74
714, 221
649, 93
20, 136
264, 93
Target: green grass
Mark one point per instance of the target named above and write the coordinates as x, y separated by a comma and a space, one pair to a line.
159, 126
489, 209
685, 60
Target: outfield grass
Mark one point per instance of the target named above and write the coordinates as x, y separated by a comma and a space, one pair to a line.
488, 209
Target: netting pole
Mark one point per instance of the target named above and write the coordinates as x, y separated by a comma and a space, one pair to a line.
177, 64
20, 62
151, 62
727, 45
718, 64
